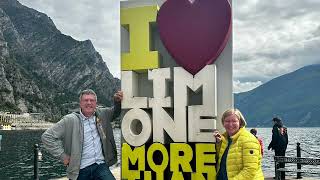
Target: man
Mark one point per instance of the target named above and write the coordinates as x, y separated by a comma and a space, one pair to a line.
84, 140
279, 141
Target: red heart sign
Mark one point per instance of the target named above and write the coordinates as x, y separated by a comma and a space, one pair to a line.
195, 33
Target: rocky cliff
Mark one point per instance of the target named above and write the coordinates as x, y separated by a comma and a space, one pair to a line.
43, 70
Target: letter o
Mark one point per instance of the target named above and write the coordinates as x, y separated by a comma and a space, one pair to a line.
136, 127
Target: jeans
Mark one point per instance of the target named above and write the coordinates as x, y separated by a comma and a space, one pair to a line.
96, 172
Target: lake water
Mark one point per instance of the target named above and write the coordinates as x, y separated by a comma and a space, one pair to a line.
16, 155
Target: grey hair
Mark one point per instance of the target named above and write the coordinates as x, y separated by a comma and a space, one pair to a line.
87, 92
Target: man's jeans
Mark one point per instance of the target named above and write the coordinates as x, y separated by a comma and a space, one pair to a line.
96, 172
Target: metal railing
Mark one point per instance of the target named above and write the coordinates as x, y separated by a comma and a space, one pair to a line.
297, 160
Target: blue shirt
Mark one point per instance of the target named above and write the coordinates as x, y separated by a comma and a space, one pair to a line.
91, 148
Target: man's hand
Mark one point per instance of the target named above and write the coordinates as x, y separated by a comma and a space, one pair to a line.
66, 160
118, 96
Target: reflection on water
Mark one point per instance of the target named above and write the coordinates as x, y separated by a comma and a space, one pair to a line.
16, 155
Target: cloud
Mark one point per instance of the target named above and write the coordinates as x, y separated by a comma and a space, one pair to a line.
244, 86
96, 20
270, 38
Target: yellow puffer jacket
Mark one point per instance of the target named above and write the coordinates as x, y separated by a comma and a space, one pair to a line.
244, 156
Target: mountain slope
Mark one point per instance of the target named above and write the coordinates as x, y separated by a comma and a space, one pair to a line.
44, 70
294, 97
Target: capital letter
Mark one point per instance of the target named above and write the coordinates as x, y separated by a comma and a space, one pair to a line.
137, 21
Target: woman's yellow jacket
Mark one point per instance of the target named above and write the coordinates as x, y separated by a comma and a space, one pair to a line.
244, 156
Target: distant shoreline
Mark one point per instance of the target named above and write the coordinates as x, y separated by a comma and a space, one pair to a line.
29, 126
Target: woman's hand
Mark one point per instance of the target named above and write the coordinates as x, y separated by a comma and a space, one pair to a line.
217, 135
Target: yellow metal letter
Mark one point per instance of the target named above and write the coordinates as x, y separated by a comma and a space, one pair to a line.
202, 158
138, 20
176, 175
159, 169
134, 156
184, 160
147, 175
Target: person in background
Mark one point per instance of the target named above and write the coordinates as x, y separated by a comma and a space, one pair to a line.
279, 141
254, 132
238, 151
84, 140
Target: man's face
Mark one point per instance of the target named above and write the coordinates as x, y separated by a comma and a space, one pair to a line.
88, 104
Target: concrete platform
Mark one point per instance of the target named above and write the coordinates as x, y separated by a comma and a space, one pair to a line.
116, 174
291, 178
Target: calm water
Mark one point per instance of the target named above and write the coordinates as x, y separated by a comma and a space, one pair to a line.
309, 143
16, 155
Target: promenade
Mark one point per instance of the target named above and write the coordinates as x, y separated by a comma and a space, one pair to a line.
291, 178
116, 173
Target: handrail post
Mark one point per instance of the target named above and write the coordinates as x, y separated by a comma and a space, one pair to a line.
36, 162
0, 141
298, 164
276, 168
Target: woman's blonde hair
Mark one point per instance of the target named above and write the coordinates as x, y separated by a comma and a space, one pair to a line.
235, 112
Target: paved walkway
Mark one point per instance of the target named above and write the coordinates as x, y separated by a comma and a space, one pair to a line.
116, 173
291, 178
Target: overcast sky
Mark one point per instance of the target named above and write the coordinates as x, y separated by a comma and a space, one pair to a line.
271, 38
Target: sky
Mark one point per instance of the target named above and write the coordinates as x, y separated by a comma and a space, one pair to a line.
270, 38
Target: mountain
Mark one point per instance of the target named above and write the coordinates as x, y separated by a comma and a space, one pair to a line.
43, 70
294, 97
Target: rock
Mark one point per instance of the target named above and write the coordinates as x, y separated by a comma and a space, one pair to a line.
43, 70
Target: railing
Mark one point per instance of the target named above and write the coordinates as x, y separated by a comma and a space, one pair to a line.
296, 160
37, 156
0, 141
40, 159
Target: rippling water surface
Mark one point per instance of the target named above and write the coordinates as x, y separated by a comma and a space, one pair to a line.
309, 143
16, 155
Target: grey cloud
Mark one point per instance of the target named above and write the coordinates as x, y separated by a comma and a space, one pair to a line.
274, 37
96, 20
316, 32
270, 38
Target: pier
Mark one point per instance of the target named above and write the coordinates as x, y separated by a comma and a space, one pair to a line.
17, 121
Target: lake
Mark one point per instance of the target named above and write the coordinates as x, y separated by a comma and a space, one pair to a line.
16, 155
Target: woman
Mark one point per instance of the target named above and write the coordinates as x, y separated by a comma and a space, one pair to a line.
238, 151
